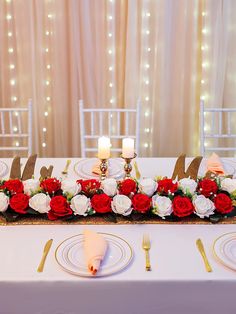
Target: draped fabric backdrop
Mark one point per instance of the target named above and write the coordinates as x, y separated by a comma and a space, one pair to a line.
167, 53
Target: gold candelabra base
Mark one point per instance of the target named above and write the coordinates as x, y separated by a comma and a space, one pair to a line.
128, 166
103, 168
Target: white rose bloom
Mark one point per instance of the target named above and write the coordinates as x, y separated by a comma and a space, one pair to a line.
30, 186
204, 207
121, 204
40, 202
188, 185
228, 185
148, 186
80, 204
109, 186
70, 186
162, 205
4, 202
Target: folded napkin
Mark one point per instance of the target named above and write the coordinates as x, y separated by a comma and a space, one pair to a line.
96, 169
95, 247
215, 165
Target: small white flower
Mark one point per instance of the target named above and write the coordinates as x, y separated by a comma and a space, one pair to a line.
70, 186
162, 206
80, 204
228, 185
188, 185
30, 186
109, 186
40, 202
121, 204
4, 202
204, 207
148, 186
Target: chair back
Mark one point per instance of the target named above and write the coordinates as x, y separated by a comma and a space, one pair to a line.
16, 129
217, 130
115, 123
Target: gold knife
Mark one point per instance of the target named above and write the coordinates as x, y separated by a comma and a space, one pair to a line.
137, 173
45, 253
203, 253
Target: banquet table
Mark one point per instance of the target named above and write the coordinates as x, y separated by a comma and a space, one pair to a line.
177, 283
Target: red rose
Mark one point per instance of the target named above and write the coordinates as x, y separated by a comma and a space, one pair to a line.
89, 187
141, 202
50, 185
59, 208
182, 206
101, 203
14, 186
166, 186
207, 187
19, 203
223, 203
127, 187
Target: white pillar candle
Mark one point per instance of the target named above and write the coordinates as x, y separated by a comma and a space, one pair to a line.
104, 146
128, 148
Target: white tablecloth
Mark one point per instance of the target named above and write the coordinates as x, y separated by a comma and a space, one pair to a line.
178, 282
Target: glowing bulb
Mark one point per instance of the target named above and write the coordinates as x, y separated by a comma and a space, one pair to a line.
148, 14
8, 1
147, 130
146, 114
203, 97
148, 49
17, 144
110, 68
110, 34
8, 17
15, 129
16, 114
202, 81
12, 82
147, 31
147, 98
44, 130
10, 50
206, 128
147, 82
12, 66
48, 98
46, 113
47, 82
110, 17
204, 31
47, 33
146, 145
110, 84
111, 101
49, 16
110, 51
46, 49
203, 13
147, 66
44, 144
9, 34
14, 98
48, 66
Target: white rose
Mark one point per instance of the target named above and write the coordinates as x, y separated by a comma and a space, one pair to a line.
80, 204
40, 202
148, 186
30, 186
4, 202
109, 186
228, 185
204, 207
70, 186
188, 185
121, 204
162, 206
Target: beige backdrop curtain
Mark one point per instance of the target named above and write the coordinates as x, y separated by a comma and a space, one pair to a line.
168, 53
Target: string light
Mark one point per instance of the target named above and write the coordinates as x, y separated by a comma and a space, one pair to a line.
12, 66
10, 50
9, 34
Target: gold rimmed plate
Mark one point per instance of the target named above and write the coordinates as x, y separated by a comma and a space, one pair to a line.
83, 168
70, 256
224, 250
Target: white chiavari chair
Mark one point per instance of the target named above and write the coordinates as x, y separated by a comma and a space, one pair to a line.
115, 123
217, 125
16, 129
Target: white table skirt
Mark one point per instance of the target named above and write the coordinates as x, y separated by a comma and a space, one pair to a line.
178, 282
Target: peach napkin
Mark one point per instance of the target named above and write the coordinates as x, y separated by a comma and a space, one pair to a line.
215, 165
95, 247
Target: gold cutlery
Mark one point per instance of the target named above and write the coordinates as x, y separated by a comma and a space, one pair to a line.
137, 173
65, 171
45, 253
203, 253
146, 246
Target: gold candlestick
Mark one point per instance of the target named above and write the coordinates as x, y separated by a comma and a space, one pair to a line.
103, 168
128, 166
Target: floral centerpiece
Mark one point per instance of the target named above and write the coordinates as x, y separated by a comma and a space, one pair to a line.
160, 198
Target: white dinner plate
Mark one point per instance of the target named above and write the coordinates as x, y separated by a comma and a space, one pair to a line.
3, 169
228, 165
70, 256
83, 168
224, 249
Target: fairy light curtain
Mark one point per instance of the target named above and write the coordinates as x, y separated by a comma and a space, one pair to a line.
167, 53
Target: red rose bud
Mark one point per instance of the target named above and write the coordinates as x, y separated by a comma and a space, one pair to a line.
19, 203
89, 187
167, 186
223, 203
182, 206
50, 185
14, 186
101, 203
127, 187
59, 208
207, 187
141, 203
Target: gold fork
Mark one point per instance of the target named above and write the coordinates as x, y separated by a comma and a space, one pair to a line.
146, 246
137, 172
203, 254
65, 171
